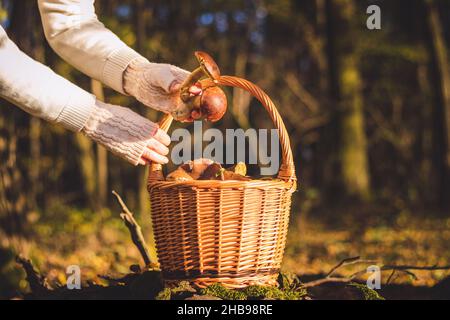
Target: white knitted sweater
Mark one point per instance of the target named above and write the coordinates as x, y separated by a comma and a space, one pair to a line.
74, 32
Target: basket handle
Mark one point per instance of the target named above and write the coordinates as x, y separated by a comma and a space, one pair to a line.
287, 168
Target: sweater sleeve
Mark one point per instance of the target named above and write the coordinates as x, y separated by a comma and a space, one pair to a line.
74, 32
39, 91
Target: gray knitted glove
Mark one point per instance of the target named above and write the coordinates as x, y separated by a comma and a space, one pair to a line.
156, 85
127, 134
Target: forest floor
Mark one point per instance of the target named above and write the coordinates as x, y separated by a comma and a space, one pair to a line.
100, 245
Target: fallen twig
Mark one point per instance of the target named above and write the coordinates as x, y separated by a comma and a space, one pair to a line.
391, 276
38, 283
355, 260
403, 268
135, 231
409, 267
346, 262
321, 281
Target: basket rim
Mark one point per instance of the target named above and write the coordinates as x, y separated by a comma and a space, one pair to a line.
224, 184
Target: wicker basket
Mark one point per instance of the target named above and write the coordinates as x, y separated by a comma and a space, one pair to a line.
232, 232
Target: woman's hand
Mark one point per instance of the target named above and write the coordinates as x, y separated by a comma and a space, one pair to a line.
127, 134
157, 85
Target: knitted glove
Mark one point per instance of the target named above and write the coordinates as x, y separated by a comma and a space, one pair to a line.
157, 85
127, 134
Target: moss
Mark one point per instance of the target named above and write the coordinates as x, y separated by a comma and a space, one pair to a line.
369, 294
183, 286
289, 289
297, 294
164, 294
182, 289
254, 292
218, 290
288, 281
261, 292
291, 286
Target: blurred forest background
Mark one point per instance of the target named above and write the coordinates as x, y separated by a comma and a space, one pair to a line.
368, 112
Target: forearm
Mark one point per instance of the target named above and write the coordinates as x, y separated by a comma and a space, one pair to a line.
39, 91
74, 32
121, 131
42, 93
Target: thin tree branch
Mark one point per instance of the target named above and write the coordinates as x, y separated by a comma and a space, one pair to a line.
409, 267
38, 283
321, 281
354, 260
390, 277
361, 272
135, 231
346, 262
302, 94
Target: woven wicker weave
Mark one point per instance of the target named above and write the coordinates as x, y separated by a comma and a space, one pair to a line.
232, 232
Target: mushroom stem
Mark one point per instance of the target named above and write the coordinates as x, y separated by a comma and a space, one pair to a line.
192, 79
211, 101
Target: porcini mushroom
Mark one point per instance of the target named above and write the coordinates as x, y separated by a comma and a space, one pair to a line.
179, 175
197, 167
211, 102
212, 172
208, 67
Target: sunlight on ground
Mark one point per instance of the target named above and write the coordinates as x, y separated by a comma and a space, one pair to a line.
100, 244
314, 249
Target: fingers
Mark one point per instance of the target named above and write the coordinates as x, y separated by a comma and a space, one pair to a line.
170, 77
195, 90
156, 150
152, 156
164, 78
162, 137
157, 146
175, 86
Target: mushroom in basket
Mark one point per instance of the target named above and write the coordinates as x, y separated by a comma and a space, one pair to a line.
206, 169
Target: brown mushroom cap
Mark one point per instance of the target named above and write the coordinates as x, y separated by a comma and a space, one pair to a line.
212, 172
197, 167
179, 175
213, 103
208, 64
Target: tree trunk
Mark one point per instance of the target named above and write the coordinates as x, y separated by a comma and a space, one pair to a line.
352, 144
241, 99
35, 155
14, 172
34, 170
142, 15
322, 62
102, 155
87, 167
441, 112
425, 135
